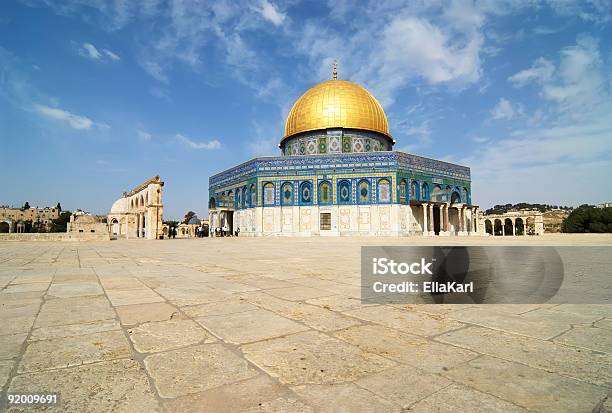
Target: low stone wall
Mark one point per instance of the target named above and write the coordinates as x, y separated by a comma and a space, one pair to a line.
56, 236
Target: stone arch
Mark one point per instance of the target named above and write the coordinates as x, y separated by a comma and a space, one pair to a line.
268, 194
325, 193
287, 194
519, 226
383, 192
5, 227
437, 194
497, 227
306, 193
414, 190
344, 193
489, 227
363, 192
508, 227
212, 203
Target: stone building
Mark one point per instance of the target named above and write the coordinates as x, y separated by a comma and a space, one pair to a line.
86, 223
513, 223
337, 174
13, 219
138, 213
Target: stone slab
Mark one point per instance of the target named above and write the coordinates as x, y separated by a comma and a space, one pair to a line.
167, 335
75, 310
142, 313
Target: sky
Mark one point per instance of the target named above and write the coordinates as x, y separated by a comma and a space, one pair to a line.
98, 96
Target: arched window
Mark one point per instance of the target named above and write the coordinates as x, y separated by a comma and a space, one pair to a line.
229, 199
437, 194
325, 193
414, 190
287, 194
455, 198
402, 191
212, 204
364, 192
306, 193
384, 191
465, 195
253, 196
425, 191
344, 192
268, 194
238, 198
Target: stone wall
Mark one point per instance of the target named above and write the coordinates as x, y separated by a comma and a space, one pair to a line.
56, 236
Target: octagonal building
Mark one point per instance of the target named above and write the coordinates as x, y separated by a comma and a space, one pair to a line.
337, 174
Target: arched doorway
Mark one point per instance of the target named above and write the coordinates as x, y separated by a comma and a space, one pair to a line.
115, 227
489, 227
4, 227
519, 226
497, 227
508, 227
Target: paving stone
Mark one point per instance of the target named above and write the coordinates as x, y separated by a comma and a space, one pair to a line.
195, 369
167, 335
249, 326
24, 288
408, 321
122, 283
593, 367
403, 385
10, 345
313, 357
112, 386
554, 317
67, 290
26, 278
488, 317
531, 388
142, 313
19, 308
599, 339
16, 325
406, 348
458, 398
230, 398
75, 310
71, 330
298, 293
337, 302
261, 282
128, 297
282, 404
192, 295
343, 397
6, 366
74, 351
230, 306
230, 287
599, 310
605, 323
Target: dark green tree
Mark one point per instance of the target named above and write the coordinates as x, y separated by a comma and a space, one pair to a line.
188, 216
61, 224
58, 207
26, 206
587, 218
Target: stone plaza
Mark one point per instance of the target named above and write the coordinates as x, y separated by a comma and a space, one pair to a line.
246, 324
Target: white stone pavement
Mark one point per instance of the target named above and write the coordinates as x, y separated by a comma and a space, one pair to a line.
275, 324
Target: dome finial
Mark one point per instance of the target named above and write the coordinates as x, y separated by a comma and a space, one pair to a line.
335, 71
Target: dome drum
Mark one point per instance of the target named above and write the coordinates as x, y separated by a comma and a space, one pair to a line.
335, 140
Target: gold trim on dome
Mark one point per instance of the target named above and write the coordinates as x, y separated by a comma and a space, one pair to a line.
336, 104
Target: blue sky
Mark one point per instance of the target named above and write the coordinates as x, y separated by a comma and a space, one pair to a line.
97, 96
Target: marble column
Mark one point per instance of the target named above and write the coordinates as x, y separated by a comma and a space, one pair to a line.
431, 219
446, 219
424, 206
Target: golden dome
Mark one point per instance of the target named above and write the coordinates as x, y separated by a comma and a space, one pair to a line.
336, 104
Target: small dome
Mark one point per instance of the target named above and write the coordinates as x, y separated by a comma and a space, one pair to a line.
119, 207
194, 220
336, 104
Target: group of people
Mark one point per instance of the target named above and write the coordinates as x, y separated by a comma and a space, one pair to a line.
225, 232
172, 232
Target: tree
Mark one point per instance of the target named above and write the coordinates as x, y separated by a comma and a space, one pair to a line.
26, 206
587, 218
61, 224
171, 223
188, 216
58, 207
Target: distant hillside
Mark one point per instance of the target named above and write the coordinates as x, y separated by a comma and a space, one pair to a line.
502, 209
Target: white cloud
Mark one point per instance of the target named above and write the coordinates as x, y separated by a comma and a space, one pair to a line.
144, 136
188, 143
90, 51
111, 55
504, 110
270, 13
75, 121
541, 71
